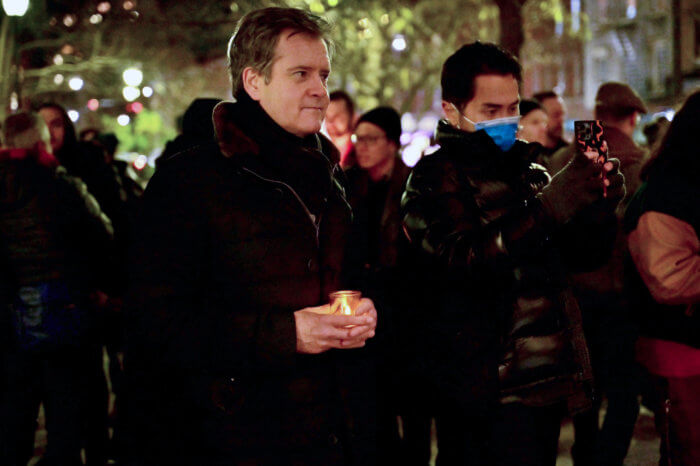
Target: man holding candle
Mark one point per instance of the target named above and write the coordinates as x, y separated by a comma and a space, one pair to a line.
504, 345
233, 357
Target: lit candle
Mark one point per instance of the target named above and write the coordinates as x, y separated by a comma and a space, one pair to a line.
345, 302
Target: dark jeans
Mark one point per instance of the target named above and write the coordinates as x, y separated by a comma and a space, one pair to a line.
611, 336
60, 380
514, 435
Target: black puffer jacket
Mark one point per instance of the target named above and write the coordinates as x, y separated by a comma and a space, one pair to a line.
233, 240
504, 325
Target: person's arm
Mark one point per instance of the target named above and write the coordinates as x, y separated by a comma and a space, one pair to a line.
90, 232
666, 252
442, 217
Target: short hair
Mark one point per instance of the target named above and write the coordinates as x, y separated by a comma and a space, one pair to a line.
256, 37
461, 69
528, 105
23, 130
345, 97
544, 95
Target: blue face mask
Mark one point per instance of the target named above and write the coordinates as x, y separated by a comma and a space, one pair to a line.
501, 130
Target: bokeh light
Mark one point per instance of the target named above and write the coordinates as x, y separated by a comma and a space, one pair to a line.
132, 76
76, 83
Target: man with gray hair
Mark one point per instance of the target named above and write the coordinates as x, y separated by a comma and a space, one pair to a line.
232, 354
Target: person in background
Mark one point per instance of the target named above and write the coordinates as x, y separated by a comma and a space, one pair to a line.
54, 249
89, 134
533, 122
608, 322
663, 282
340, 120
197, 128
502, 341
86, 160
379, 252
555, 108
232, 355
655, 130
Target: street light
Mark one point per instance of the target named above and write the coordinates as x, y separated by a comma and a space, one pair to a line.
132, 77
76, 83
8, 52
15, 7
131, 93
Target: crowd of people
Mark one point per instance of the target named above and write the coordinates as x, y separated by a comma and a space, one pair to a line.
509, 280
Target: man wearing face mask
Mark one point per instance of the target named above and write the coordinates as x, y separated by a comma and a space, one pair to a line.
504, 345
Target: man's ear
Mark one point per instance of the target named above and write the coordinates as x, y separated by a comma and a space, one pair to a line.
252, 82
451, 113
634, 120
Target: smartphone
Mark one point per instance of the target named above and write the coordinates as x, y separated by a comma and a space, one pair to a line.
588, 136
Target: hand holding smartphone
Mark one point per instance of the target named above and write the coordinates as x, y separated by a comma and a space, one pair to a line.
589, 139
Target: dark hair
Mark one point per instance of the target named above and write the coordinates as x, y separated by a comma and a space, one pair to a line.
257, 34
655, 130
544, 95
462, 67
678, 148
528, 105
69, 139
345, 97
16, 131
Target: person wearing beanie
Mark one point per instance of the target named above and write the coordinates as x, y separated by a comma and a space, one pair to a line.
376, 248
377, 135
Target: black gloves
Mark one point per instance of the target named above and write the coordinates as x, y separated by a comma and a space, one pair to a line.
580, 184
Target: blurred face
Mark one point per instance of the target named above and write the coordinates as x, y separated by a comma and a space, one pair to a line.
296, 96
556, 111
495, 96
533, 127
338, 119
372, 148
54, 120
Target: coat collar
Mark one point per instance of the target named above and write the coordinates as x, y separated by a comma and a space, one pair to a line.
243, 127
477, 149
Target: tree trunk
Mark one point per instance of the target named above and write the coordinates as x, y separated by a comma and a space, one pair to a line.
511, 20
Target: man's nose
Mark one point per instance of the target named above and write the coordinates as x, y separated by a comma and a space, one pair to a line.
318, 86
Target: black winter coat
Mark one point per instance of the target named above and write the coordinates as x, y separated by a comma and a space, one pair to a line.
504, 326
232, 242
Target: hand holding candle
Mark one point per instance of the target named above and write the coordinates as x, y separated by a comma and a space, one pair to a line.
345, 302
318, 329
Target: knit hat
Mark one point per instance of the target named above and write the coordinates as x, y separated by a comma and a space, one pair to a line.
614, 96
387, 119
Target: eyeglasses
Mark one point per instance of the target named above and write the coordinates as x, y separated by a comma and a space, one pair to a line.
366, 139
